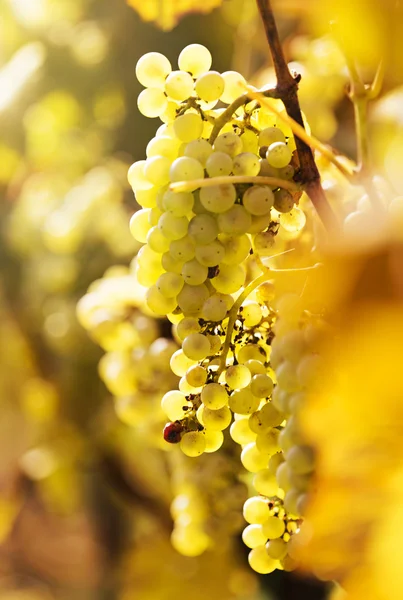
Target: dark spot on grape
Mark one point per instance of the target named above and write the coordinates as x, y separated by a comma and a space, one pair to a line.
173, 432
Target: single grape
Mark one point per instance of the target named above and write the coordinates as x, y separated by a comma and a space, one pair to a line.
237, 377
294, 220
273, 528
236, 248
283, 201
278, 155
196, 376
218, 198
258, 200
152, 102
229, 143
191, 298
210, 86
196, 346
230, 279
139, 225
172, 404
246, 163
186, 169
270, 135
199, 149
215, 419
256, 510
157, 169
162, 146
173, 228
152, 69
210, 254
195, 59
203, 229
178, 203
136, 176
188, 127
179, 85
219, 164
253, 537
183, 249
157, 241
261, 562
214, 396
234, 86
214, 309
193, 443
235, 221
169, 284
265, 483
157, 303
187, 326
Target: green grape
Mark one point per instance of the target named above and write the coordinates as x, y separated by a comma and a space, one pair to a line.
218, 198
209, 86
250, 142
278, 155
287, 377
193, 443
183, 249
191, 298
152, 102
152, 69
273, 528
256, 510
251, 313
210, 254
173, 228
162, 146
241, 433
262, 386
187, 326
293, 345
172, 404
179, 85
196, 346
229, 143
250, 352
294, 220
265, 483
200, 150
259, 223
291, 501
283, 201
196, 376
234, 86
252, 459
215, 343
169, 284
195, 59
157, 241
203, 229
214, 440
219, 164
235, 221
255, 367
170, 113
275, 461
261, 562
266, 170
283, 477
188, 127
180, 363
237, 377
214, 309
216, 419
230, 279
236, 248
194, 273
267, 442
214, 396
300, 459
147, 198
243, 402
186, 169
263, 243
246, 163
186, 388
258, 200
154, 215
277, 548
269, 415
287, 172
157, 303
139, 225
253, 537
157, 169
136, 177
270, 135
178, 203
171, 264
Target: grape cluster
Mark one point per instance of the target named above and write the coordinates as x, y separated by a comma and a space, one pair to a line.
136, 365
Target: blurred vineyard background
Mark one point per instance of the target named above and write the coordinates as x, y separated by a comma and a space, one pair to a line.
84, 497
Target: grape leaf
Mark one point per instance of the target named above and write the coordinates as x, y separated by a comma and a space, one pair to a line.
167, 13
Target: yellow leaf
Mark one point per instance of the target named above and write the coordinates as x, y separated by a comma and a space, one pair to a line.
166, 13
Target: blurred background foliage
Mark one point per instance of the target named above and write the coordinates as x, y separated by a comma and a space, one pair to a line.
84, 498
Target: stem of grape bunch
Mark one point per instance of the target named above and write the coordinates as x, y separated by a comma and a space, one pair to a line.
287, 87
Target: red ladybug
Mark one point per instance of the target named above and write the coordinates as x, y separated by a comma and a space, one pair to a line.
173, 432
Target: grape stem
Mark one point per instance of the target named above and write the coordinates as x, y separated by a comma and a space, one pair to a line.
233, 313
360, 94
286, 88
226, 116
184, 186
